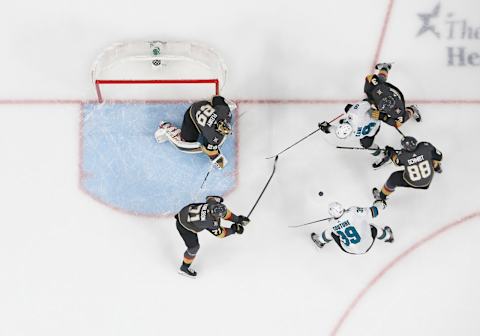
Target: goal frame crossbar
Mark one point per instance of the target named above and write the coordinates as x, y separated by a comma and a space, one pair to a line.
99, 82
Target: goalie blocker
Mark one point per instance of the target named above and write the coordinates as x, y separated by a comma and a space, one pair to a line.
205, 127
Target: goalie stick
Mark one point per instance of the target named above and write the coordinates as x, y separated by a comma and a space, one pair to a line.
206, 176
266, 185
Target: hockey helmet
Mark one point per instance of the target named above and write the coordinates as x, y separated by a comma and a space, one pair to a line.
409, 143
218, 199
223, 127
343, 130
347, 108
335, 210
218, 210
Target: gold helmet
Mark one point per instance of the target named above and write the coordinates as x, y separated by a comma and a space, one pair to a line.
223, 127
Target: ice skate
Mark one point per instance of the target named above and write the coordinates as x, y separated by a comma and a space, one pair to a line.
390, 232
187, 271
416, 113
315, 239
380, 66
376, 194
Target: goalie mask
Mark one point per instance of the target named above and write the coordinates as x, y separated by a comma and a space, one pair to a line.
218, 210
343, 130
223, 127
335, 210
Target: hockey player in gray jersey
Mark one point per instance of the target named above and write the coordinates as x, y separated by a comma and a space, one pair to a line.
353, 229
197, 217
420, 160
205, 127
388, 98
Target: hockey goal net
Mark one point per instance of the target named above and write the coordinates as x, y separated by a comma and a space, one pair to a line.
157, 71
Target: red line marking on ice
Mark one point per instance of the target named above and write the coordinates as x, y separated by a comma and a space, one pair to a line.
395, 262
238, 101
386, 20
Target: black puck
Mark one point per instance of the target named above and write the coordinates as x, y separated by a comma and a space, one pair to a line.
320, 193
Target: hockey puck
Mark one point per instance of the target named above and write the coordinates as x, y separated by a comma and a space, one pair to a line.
320, 193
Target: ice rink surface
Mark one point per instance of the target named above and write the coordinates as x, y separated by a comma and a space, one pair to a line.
71, 265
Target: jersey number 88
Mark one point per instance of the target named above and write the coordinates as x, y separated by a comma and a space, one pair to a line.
419, 171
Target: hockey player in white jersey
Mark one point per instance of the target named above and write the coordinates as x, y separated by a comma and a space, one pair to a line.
358, 123
353, 229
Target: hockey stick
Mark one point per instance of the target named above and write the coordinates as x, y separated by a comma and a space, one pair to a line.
401, 133
319, 220
361, 148
266, 185
206, 176
310, 134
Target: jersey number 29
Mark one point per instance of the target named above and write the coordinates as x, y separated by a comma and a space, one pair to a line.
203, 114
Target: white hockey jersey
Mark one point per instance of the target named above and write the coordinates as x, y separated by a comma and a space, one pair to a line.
353, 229
358, 116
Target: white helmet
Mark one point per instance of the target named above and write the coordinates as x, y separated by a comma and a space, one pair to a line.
335, 210
356, 113
231, 105
343, 130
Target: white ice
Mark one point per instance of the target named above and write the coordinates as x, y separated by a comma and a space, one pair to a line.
72, 266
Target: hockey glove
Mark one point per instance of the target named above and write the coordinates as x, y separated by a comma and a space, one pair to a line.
389, 151
438, 169
376, 114
324, 127
243, 220
237, 228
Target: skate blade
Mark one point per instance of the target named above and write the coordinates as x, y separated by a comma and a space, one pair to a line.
318, 248
186, 275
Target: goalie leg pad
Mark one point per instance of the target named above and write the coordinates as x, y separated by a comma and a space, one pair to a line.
160, 135
173, 135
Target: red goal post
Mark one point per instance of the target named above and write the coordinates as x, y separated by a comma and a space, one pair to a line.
157, 71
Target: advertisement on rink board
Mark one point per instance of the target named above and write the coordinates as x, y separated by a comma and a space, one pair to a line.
459, 35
